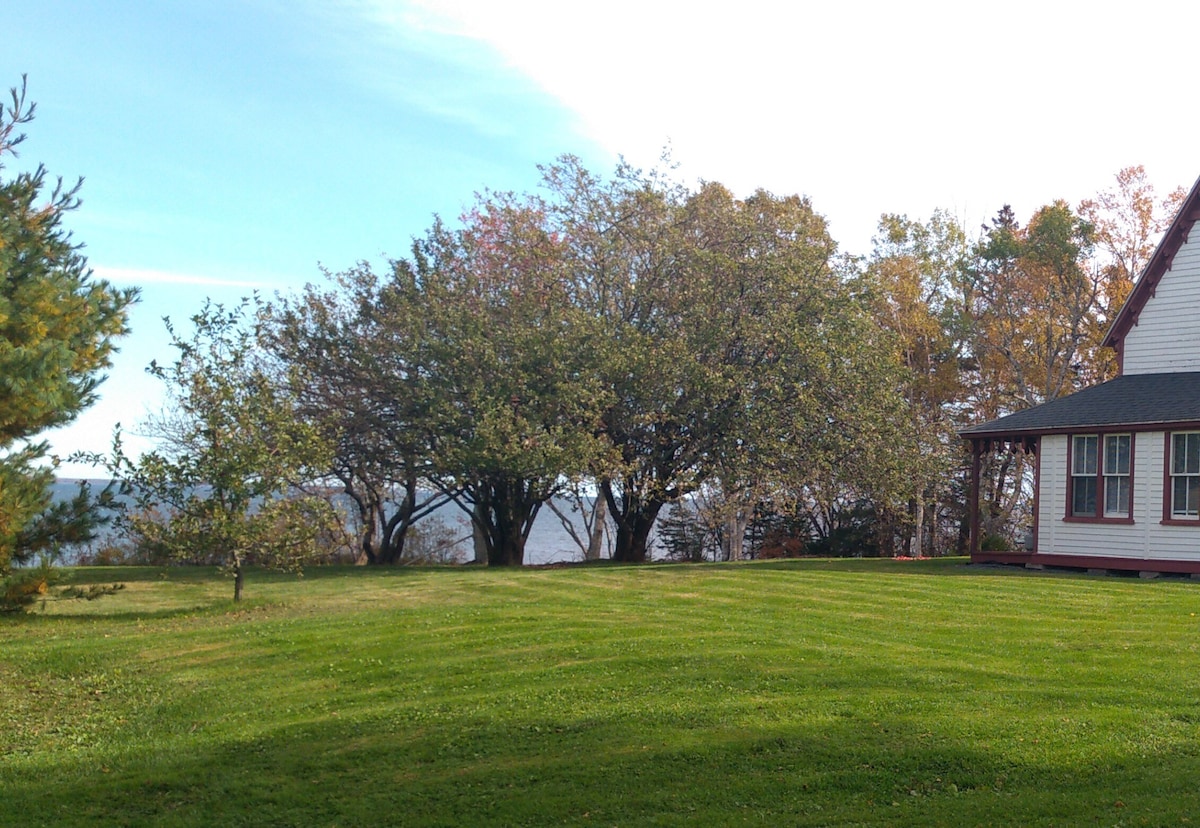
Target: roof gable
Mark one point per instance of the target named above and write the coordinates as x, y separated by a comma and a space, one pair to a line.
1159, 264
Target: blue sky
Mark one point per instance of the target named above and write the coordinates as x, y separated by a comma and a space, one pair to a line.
229, 146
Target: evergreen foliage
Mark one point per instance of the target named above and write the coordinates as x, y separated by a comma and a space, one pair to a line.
57, 327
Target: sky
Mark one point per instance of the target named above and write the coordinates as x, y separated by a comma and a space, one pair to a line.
232, 147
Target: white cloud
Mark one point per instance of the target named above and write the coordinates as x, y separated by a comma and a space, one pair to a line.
865, 106
136, 277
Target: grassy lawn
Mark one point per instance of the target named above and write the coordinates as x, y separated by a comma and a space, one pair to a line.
797, 693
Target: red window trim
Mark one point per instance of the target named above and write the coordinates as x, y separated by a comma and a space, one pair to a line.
1100, 517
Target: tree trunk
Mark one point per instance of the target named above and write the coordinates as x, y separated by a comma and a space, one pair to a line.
502, 514
915, 545
885, 531
962, 544
394, 530
599, 516
634, 518
367, 522
634, 533
238, 578
508, 520
735, 533
393, 533
510, 551
477, 536
367, 547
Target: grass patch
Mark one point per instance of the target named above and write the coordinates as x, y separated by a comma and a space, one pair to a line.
798, 693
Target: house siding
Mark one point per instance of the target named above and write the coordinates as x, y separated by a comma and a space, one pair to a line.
1147, 538
1061, 537
1166, 338
1157, 338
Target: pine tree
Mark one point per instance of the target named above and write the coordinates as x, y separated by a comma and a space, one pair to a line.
57, 326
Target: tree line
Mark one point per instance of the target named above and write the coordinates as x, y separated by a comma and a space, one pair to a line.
628, 339
653, 344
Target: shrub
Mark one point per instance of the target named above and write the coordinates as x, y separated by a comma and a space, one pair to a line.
996, 543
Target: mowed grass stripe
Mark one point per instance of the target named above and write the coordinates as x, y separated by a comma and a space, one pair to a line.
818, 693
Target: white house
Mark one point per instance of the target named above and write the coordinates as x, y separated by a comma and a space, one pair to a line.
1117, 468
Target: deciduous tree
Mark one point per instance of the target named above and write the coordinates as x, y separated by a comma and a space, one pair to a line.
1035, 298
226, 483
738, 351
1127, 221
918, 281
1036, 304
361, 381
516, 396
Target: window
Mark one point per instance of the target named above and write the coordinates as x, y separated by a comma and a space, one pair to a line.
1185, 475
1100, 476
1116, 474
1083, 475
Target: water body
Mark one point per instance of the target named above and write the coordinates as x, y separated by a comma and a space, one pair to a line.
548, 542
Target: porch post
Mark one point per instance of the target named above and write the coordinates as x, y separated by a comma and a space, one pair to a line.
973, 499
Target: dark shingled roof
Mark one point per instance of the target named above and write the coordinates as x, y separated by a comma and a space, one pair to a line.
1128, 400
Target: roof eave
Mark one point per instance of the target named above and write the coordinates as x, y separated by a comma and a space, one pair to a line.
1138, 425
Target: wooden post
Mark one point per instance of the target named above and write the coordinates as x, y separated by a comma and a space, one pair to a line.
973, 499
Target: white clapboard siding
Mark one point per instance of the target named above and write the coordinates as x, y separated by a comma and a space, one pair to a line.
1146, 538
1167, 336
1052, 490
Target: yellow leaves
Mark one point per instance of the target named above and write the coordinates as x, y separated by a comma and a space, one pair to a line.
1127, 220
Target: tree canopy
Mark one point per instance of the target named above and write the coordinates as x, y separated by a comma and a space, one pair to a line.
629, 331
227, 483
641, 343
629, 339
1010, 319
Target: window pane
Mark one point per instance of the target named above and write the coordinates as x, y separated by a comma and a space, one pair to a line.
1116, 454
1083, 496
1083, 455
1185, 453
1116, 496
1185, 496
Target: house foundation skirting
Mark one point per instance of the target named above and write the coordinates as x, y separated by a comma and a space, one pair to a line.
1088, 562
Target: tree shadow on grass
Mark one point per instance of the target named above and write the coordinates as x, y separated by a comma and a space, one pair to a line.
591, 772
85, 575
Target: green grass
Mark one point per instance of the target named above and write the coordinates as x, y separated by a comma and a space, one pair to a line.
797, 693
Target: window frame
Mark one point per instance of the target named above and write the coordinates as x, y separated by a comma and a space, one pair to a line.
1108, 476
1169, 478
1101, 477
